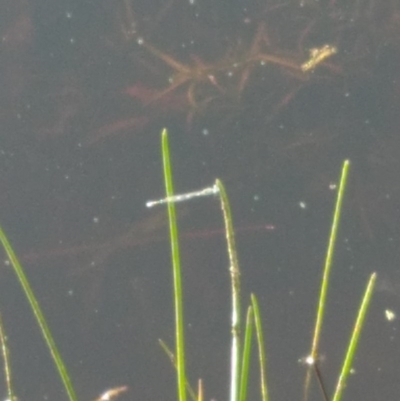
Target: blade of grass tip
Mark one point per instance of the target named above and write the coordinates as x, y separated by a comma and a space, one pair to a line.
176, 267
326, 272
261, 349
248, 334
44, 328
7, 365
354, 340
200, 391
235, 284
172, 358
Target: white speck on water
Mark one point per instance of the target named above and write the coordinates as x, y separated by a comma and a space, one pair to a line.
390, 315
303, 205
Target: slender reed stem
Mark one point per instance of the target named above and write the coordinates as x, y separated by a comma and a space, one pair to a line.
348, 360
248, 334
235, 283
44, 328
176, 266
7, 365
326, 272
261, 348
329, 260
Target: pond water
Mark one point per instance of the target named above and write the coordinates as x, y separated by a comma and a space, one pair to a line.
271, 98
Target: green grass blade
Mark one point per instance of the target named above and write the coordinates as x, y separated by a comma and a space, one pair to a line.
62, 370
348, 360
329, 259
245, 372
326, 272
176, 266
235, 284
7, 365
261, 348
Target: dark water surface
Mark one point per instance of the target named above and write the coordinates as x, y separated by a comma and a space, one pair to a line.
86, 89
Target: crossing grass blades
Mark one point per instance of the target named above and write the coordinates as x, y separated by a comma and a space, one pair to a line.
251, 326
